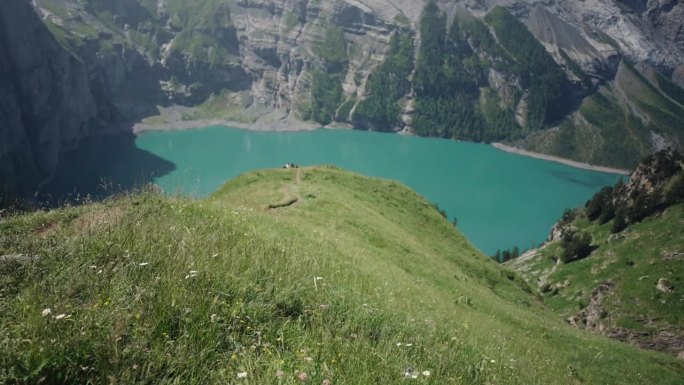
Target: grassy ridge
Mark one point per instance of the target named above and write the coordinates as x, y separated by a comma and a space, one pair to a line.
357, 281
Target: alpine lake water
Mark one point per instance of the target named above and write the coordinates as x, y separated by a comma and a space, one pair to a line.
500, 199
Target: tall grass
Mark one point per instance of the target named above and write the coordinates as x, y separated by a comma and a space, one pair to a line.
361, 283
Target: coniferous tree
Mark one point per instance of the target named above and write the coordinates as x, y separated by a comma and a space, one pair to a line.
620, 220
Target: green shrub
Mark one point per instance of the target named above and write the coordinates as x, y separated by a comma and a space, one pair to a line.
595, 206
576, 246
620, 220
333, 50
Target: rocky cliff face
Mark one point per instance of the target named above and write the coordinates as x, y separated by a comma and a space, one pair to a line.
270, 62
268, 48
46, 102
245, 58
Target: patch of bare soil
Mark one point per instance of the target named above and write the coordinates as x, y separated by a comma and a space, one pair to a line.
97, 220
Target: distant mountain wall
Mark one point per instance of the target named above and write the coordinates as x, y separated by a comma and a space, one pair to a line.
597, 81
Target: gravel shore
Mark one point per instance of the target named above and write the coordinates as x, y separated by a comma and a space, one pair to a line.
552, 158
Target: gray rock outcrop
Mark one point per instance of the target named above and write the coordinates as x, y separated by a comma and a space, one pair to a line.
590, 317
664, 285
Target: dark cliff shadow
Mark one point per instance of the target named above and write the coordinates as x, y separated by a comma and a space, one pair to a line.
102, 166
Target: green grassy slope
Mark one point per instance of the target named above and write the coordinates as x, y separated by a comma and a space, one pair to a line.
603, 132
633, 261
353, 280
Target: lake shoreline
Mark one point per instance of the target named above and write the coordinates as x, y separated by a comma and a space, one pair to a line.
275, 122
173, 120
567, 162
201, 123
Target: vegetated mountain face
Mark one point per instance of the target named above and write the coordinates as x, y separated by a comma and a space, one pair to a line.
616, 267
549, 76
282, 276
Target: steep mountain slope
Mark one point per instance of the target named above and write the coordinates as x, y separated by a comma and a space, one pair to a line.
536, 74
626, 282
46, 102
280, 277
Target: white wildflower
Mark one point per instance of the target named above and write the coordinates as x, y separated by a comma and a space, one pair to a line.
242, 375
192, 274
60, 316
46, 312
426, 373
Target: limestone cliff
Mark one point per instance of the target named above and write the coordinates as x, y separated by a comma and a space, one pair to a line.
46, 102
275, 62
259, 61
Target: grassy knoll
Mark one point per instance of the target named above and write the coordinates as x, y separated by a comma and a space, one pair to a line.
360, 281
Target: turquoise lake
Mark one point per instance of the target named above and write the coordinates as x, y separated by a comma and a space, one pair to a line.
500, 199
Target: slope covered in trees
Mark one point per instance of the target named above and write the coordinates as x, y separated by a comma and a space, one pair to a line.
380, 110
446, 94
547, 86
454, 97
326, 93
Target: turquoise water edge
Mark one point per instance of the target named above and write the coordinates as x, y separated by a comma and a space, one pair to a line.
500, 199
